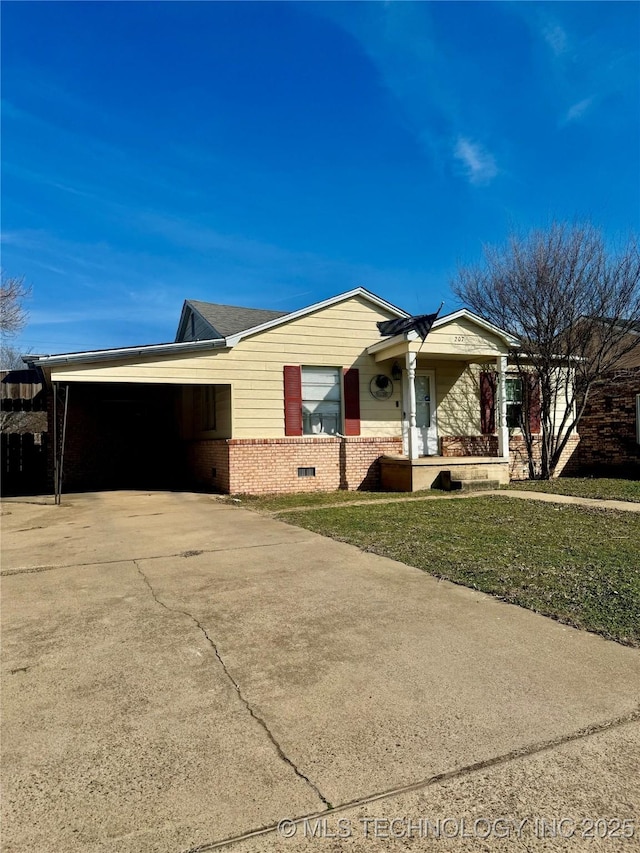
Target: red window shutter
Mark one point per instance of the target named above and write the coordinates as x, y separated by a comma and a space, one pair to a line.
292, 400
533, 392
487, 403
351, 401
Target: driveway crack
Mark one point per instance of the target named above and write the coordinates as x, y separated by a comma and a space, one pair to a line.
251, 710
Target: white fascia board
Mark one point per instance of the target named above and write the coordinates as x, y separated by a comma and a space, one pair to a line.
524, 356
232, 340
126, 352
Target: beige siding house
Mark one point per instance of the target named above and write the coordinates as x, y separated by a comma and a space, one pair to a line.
260, 401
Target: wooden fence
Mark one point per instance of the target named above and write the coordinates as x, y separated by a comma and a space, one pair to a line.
24, 437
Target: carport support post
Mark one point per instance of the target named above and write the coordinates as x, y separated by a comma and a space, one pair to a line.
64, 437
503, 429
55, 442
411, 375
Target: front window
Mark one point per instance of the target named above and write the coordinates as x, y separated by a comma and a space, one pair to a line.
514, 402
321, 400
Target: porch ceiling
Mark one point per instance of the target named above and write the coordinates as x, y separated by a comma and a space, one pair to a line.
473, 354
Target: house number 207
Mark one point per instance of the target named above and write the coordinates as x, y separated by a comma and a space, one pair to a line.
458, 339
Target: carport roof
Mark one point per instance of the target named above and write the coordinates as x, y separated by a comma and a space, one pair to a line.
124, 352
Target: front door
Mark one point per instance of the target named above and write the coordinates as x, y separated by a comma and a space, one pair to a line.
426, 413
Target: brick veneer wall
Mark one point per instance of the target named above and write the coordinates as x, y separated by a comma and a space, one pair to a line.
608, 427
487, 445
208, 464
519, 461
469, 445
262, 466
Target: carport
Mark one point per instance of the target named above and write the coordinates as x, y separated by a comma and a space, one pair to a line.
130, 435
121, 436
129, 419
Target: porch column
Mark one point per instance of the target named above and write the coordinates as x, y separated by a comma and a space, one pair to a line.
411, 382
501, 409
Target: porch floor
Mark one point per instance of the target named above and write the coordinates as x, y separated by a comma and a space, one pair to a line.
401, 474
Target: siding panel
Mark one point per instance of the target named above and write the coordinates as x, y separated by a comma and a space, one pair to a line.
336, 336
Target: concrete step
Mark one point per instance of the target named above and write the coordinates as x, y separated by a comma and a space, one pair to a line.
474, 485
469, 472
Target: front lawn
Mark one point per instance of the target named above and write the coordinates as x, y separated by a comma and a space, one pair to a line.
585, 487
575, 564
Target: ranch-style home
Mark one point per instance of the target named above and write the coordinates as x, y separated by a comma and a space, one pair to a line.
257, 401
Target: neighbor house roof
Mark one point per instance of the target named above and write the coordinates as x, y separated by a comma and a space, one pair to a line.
228, 320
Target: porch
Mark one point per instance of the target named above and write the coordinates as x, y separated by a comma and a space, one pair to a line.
401, 474
454, 436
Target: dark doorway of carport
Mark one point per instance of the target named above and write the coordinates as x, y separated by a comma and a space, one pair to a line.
123, 436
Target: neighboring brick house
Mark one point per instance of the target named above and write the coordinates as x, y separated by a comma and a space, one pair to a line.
610, 426
247, 400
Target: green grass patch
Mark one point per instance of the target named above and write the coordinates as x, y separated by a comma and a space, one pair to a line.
585, 487
578, 565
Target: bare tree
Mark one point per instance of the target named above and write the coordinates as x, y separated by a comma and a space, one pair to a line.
13, 318
10, 358
574, 305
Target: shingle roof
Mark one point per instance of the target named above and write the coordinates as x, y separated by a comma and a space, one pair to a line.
230, 319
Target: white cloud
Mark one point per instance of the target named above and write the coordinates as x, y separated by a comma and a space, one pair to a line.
478, 163
556, 38
578, 110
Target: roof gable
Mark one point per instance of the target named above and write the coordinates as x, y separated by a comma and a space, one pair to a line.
227, 317
440, 323
212, 321
361, 292
465, 314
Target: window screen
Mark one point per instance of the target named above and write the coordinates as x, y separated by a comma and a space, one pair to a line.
321, 409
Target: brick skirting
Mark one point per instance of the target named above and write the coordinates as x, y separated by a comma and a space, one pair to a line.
519, 461
263, 466
487, 445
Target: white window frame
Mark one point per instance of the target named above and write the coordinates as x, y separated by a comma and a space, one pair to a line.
321, 407
512, 403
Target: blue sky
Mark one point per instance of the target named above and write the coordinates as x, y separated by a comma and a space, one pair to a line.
274, 154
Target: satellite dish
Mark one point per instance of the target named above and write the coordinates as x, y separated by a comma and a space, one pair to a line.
381, 387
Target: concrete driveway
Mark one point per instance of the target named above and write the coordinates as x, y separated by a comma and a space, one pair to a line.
179, 673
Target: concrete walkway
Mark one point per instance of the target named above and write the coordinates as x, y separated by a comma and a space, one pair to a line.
624, 506
182, 675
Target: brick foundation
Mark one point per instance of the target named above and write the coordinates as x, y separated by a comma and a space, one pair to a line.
263, 466
208, 464
487, 445
519, 460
